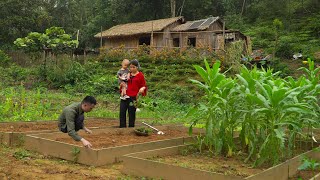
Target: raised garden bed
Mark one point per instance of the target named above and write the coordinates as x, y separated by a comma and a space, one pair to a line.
109, 145
171, 163
12, 133
305, 175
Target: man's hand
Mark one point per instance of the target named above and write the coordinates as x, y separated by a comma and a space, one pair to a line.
86, 143
87, 130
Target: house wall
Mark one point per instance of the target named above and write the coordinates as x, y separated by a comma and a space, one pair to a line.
157, 40
160, 40
128, 42
216, 26
203, 38
167, 39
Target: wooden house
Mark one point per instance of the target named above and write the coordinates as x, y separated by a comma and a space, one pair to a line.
155, 33
173, 33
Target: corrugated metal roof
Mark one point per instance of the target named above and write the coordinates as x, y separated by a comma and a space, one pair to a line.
201, 24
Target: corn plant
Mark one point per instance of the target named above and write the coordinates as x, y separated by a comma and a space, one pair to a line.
312, 73
269, 111
310, 91
277, 104
272, 108
219, 110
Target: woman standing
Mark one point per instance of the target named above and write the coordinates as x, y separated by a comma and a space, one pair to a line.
136, 85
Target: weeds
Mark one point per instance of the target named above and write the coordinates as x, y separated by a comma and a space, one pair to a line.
309, 164
75, 154
21, 154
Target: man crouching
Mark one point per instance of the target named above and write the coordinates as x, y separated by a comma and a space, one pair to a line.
72, 117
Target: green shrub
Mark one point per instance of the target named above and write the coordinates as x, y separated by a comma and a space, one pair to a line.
284, 50
72, 74
277, 65
15, 74
5, 60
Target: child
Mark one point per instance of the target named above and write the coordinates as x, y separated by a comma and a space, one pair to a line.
123, 76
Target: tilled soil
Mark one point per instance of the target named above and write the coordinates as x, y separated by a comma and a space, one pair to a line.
228, 166
36, 166
120, 137
52, 125
307, 174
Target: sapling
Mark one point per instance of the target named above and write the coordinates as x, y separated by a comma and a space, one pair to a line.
309, 164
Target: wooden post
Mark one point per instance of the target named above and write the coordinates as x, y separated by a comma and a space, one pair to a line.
151, 44
101, 38
180, 42
78, 38
223, 34
151, 39
173, 8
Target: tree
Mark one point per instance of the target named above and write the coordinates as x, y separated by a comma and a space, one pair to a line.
18, 17
173, 8
54, 40
277, 27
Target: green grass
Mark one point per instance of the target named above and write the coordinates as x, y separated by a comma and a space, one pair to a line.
19, 104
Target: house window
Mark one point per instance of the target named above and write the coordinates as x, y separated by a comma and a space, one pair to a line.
176, 42
144, 40
192, 42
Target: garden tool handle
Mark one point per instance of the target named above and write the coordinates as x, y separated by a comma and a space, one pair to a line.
150, 126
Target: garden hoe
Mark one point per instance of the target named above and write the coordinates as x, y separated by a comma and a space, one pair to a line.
158, 132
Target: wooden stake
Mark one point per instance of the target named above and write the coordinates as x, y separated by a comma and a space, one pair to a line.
151, 34
101, 38
78, 38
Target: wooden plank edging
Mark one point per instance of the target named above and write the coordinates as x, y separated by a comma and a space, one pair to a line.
96, 157
137, 163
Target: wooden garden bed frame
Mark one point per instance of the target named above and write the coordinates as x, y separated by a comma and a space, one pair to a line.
14, 139
139, 164
97, 157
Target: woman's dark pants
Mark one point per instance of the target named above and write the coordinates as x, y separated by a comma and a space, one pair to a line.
125, 105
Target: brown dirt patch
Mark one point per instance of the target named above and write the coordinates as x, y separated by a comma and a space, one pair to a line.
41, 167
119, 137
293, 66
228, 166
304, 174
51, 125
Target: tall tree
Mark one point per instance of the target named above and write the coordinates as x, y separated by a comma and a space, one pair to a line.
173, 8
18, 18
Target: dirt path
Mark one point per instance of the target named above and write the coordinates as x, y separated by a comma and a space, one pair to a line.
21, 164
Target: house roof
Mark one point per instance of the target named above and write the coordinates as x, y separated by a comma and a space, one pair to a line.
138, 28
199, 25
